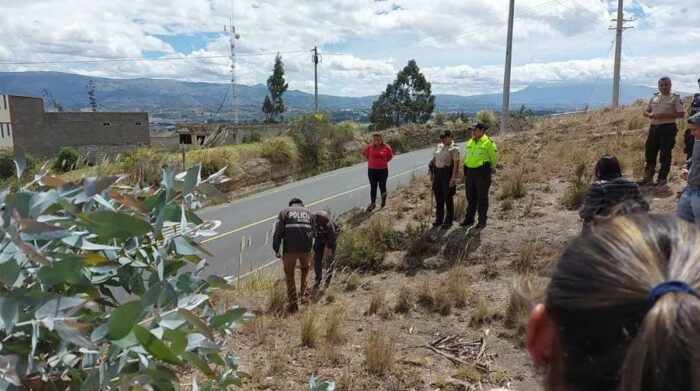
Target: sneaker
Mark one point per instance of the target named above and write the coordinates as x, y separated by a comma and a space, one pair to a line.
371, 207
466, 223
660, 183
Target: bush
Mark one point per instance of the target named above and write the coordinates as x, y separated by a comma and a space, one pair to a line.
252, 137
59, 313
365, 247
513, 184
398, 143
68, 159
310, 328
440, 118
487, 117
7, 165
280, 150
320, 142
575, 193
380, 351
144, 165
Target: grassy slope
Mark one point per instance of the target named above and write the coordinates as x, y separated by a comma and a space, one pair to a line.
524, 237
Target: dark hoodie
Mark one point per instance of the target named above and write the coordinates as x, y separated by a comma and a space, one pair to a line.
294, 230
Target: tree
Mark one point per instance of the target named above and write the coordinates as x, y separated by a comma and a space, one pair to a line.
91, 88
407, 99
277, 87
268, 109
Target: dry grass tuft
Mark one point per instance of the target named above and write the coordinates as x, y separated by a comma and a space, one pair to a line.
258, 327
527, 257
332, 326
380, 351
376, 303
513, 184
426, 295
575, 193
346, 382
443, 302
353, 282
469, 374
329, 355
310, 328
277, 298
404, 300
457, 285
519, 306
483, 314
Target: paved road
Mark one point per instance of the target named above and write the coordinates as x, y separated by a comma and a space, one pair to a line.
251, 219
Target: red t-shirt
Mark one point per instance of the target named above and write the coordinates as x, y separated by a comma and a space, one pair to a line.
378, 157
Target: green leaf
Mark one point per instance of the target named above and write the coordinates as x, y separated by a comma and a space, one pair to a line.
123, 319
191, 179
217, 282
20, 161
202, 365
213, 193
9, 272
197, 323
155, 346
234, 315
110, 225
41, 201
67, 270
34, 230
177, 339
79, 242
9, 313
73, 335
98, 185
186, 246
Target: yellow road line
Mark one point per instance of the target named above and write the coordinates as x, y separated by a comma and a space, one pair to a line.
239, 229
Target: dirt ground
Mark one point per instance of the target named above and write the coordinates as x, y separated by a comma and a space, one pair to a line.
460, 321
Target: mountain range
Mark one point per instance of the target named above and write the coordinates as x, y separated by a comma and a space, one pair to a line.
155, 95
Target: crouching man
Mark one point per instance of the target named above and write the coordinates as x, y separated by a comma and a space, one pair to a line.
324, 248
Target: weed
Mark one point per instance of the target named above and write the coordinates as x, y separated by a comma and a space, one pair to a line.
426, 296
280, 150
519, 306
575, 193
365, 247
376, 304
329, 354
513, 184
310, 328
483, 313
380, 351
256, 282
353, 282
507, 204
258, 327
277, 298
278, 360
332, 326
347, 381
468, 373
457, 286
526, 257
404, 300
442, 302
487, 117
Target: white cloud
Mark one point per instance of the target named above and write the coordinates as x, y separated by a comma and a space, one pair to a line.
458, 44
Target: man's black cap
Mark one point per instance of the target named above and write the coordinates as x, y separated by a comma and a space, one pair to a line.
295, 201
480, 125
445, 133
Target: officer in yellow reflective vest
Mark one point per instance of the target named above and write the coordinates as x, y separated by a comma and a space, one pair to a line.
481, 155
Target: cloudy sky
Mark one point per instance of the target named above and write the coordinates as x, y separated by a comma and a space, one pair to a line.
459, 44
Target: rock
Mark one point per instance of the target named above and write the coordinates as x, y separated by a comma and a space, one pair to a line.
434, 263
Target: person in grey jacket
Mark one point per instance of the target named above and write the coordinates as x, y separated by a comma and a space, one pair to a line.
611, 193
324, 248
689, 204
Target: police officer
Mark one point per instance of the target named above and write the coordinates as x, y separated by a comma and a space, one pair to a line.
688, 137
294, 232
663, 110
443, 173
324, 247
480, 156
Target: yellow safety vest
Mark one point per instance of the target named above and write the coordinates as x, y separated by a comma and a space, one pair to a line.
479, 152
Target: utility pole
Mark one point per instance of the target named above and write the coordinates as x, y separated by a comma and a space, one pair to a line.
315, 58
505, 112
618, 51
234, 92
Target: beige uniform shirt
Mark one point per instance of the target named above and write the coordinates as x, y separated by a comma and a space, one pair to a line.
445, 156
665, 104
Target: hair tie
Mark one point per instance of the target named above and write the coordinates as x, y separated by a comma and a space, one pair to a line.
668, 287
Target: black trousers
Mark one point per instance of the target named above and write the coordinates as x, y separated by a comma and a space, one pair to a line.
660, 143
689, 144
477, 185
377, 178
443, 195
319, 249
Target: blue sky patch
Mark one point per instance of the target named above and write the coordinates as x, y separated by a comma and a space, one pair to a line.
188, 43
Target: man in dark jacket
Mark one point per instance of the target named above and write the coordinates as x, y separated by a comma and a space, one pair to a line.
324, 247
611, 193
294, 232
688, 137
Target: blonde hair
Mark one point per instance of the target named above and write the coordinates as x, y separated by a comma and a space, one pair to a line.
598, 297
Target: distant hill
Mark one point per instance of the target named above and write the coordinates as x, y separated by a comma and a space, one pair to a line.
161, 94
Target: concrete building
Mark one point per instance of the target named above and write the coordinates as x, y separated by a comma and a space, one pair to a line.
98, 135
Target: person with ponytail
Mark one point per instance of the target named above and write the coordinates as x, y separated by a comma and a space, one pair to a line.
622, 312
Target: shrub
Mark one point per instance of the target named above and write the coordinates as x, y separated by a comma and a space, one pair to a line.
277, 298
380, 351
319, 141
404, 300
252, 137
68, 159
144, 165
398, 143
353, 282
376, 303
513, 184
440, 118
487, 117
457, 285
519, 306
280, 150
332, 327
365, 247
58, 279
526, 257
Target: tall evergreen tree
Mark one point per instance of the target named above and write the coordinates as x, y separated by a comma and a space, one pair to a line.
277, 87
268, 108
407, 99
92, 99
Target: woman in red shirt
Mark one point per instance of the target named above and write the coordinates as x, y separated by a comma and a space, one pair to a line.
378, 154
